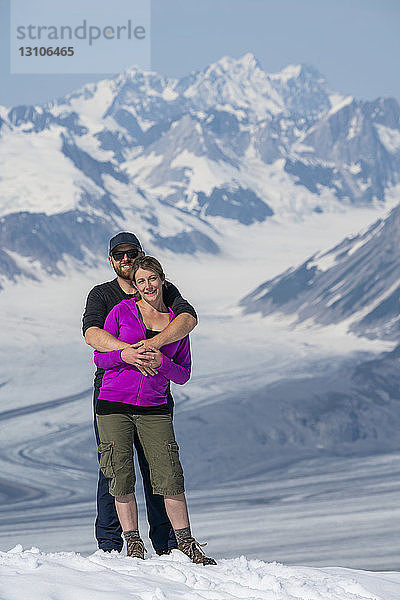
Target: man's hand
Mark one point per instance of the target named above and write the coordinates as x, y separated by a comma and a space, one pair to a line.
175, 331
147, 344
136, 355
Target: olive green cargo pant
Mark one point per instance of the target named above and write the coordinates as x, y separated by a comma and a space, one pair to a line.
156, 434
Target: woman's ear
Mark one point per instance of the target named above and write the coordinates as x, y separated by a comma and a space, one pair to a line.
162, 277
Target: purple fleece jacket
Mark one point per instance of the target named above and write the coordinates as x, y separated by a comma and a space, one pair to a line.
125, 383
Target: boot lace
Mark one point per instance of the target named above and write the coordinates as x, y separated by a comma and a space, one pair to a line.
193, 549
135, 548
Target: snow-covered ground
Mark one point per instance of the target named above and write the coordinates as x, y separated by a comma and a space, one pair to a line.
70, 576
320, 512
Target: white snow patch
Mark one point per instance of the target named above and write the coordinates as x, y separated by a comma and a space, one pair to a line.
336, 99
35, 175
389, 137
90, 102
353, 128
289, 72
355, 168
333, 299
340, 104
141, 167
299, 147
169, 94
364, 238
355, 317
358, 245
323, 262
91, 145
205, 174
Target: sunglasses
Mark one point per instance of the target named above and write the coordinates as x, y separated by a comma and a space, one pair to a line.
119, 254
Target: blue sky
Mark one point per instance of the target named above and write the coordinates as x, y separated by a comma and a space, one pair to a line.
354, 43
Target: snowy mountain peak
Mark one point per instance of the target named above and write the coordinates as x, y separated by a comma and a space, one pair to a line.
137, 77
303, 89
134, 72
240, 83
289, 72
247, 63
299, 71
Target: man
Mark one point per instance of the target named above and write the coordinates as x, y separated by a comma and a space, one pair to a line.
124, 248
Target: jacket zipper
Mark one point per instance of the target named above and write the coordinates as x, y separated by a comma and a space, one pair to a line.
142, 376
140, 387
141, 325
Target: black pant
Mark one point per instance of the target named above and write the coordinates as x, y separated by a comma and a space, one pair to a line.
107, 526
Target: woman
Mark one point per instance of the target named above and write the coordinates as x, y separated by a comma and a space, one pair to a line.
129, 402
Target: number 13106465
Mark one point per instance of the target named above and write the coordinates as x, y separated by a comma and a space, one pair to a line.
46, 51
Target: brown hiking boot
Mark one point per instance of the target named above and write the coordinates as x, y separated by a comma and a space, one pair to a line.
135, 548
193, 550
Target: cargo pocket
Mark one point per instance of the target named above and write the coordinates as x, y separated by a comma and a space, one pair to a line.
173, 451
106, 462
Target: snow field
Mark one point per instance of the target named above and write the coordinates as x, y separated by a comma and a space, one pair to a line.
68, 576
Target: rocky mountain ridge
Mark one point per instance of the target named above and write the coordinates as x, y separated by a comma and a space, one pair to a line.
357, 282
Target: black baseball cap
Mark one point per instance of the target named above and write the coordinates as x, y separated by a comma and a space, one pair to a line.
124, 237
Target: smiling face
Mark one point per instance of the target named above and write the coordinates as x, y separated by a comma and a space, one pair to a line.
149, 285
123, 264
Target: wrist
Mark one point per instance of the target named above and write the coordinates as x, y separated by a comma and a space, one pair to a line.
156, 342
163, 362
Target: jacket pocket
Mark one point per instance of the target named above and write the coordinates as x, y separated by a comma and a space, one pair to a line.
106, 459
155, 387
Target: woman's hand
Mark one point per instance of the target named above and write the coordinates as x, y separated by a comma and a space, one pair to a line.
156, 356
138, 357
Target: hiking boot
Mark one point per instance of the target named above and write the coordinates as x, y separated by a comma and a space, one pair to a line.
135, 548
193, 550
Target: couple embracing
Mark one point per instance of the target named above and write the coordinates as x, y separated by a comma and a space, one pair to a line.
138, 325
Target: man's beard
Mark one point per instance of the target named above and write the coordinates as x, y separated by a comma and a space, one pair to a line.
127, 275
